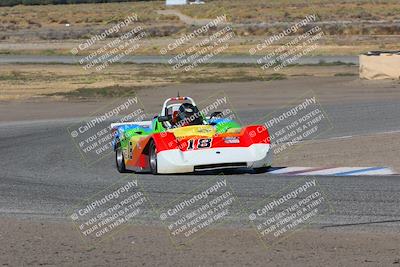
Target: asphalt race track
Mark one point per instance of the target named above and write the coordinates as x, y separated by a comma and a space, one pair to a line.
43, 176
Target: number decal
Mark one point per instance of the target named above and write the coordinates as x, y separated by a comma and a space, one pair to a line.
130, 149
190, 144
204, 143
201, 143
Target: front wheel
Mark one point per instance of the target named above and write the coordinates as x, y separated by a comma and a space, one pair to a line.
153, 157
120, 160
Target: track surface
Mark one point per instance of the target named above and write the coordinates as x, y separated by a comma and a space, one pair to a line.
42, 174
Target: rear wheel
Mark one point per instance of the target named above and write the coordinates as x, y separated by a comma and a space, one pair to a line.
120, 160
153, 157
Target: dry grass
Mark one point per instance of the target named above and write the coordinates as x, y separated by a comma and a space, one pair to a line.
293, 10
31, 25
238, 11
82, 15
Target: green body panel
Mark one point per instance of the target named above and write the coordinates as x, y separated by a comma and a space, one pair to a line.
224, 126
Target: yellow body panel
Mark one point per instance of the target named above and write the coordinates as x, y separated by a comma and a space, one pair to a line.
196, 130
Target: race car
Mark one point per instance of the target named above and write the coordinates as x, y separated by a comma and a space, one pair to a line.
182, 139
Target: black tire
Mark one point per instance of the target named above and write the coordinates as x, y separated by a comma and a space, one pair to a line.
261, 169
153, 157
120, 160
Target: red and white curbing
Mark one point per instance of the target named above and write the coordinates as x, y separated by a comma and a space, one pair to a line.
334, 171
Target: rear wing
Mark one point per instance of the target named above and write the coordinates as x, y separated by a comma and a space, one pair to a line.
175, 99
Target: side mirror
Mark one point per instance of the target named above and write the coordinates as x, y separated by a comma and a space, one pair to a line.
163, 118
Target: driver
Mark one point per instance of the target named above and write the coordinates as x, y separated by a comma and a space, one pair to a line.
189, 115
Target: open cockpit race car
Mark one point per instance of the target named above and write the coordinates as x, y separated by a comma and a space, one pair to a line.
181, 139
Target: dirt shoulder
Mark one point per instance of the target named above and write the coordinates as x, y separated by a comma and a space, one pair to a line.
37, 243
369, 150
323, 81
35, 81
274, 94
